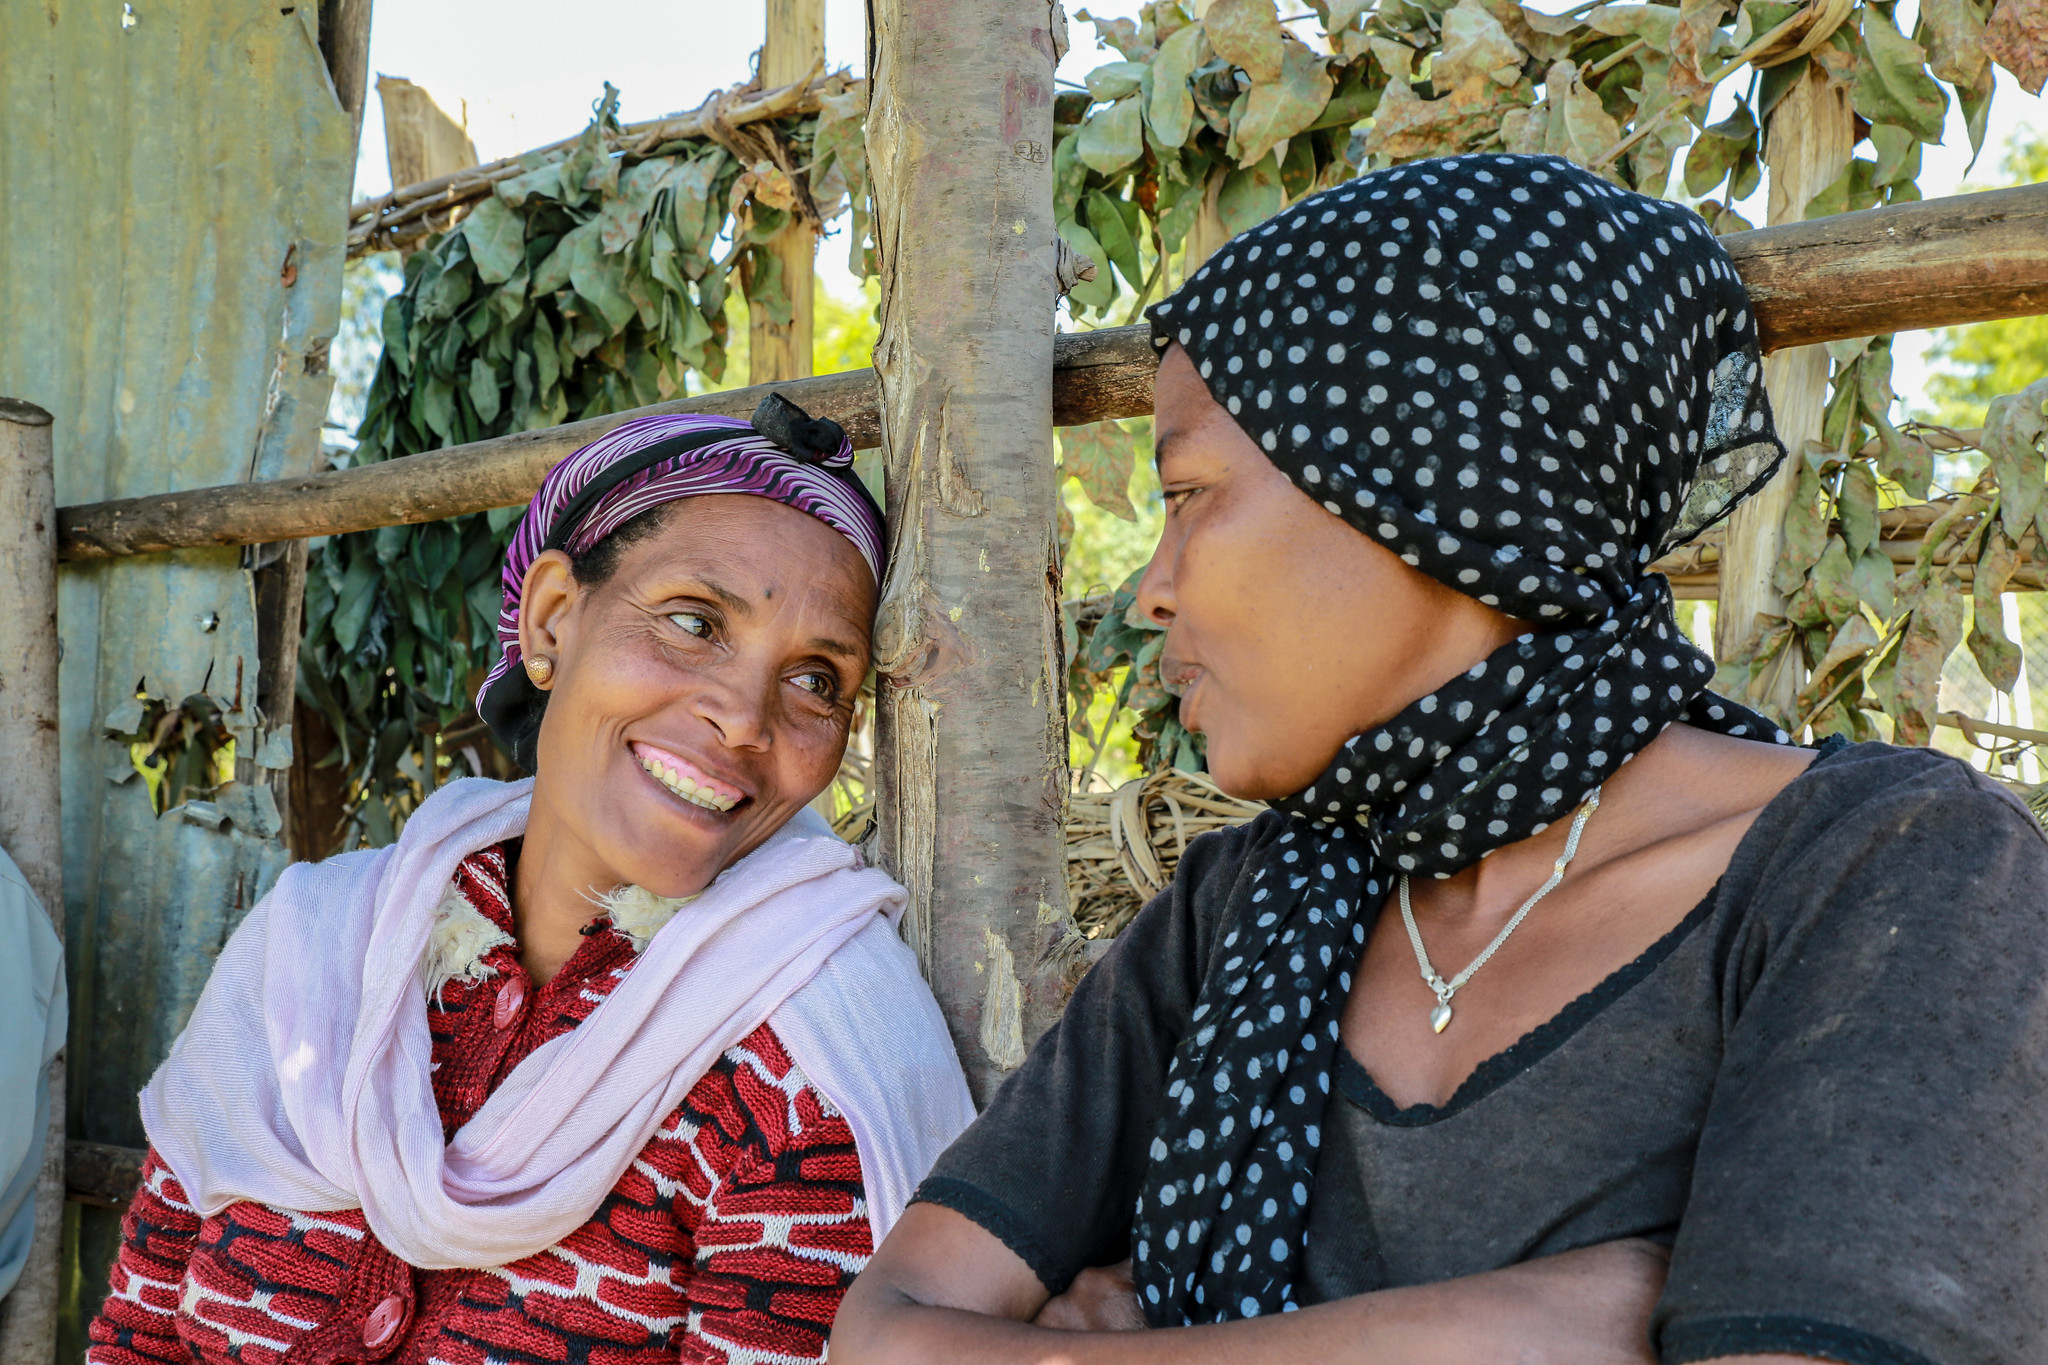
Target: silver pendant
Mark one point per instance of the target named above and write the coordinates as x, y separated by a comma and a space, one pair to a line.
1440, 1017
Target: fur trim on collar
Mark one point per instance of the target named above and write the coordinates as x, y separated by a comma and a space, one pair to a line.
639, 914
461, 936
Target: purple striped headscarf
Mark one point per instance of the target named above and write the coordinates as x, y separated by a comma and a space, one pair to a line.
583, 500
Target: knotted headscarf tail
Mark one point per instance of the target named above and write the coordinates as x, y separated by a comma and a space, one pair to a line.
783, 454
1528, 383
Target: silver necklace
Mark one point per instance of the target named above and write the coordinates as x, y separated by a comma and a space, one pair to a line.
1440, 1017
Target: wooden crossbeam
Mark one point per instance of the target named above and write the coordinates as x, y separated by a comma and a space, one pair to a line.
1971, 258
1938, 263
101, 1174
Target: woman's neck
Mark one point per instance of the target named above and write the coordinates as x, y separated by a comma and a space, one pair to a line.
1684, 781
1668, 824
553, 894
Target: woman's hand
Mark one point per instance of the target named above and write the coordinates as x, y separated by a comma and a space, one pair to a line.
943, 1289
1593, 1303
1101, 1299
1590, 1305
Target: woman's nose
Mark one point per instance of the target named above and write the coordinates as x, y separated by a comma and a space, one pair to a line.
739, 713
1155, 589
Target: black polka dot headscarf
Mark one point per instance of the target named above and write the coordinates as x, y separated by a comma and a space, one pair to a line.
1529, 383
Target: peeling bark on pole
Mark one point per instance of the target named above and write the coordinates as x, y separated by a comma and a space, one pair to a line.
972, 738
794, 48
29, 808
1808, 144
422, 141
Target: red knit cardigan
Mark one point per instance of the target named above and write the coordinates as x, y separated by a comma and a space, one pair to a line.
729, 1240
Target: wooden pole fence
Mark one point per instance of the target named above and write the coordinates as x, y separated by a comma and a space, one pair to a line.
1971, 258
793, 47
29, 825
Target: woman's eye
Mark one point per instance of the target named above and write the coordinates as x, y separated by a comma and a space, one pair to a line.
692, 623
819, 684
1175, 498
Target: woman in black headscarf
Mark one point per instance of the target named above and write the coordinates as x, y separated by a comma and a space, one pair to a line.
1548, 966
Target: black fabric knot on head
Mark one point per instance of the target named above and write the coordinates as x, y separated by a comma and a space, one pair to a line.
814, 440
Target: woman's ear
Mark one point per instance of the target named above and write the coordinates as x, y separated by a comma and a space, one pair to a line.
549, 595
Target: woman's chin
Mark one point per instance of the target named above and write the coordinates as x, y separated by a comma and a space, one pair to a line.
1244, 766
1234, 769
666, 858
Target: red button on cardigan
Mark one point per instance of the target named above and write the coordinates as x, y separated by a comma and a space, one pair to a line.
383, 1322
510, 997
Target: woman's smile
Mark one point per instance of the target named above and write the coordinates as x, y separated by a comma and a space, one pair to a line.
685, 779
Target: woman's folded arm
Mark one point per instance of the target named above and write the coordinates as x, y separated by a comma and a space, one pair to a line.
943, 1289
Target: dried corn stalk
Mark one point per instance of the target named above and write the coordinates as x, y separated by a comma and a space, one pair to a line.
1122, 846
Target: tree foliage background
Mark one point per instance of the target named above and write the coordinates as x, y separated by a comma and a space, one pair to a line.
1902, 539
602, 280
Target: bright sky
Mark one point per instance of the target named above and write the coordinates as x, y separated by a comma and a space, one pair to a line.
525, 77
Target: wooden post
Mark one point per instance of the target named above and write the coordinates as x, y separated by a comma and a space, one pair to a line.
29, 797
794, 47
280, 584
1206, 235
1807, 145
971, 761
345, 43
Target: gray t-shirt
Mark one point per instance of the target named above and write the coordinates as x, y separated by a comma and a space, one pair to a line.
1826, 1088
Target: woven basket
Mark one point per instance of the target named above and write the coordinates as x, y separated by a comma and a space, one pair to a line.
1123, 845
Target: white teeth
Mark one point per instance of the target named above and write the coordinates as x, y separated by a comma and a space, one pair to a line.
687, 789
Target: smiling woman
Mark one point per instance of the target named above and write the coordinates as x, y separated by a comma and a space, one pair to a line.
699, 667
626, 1059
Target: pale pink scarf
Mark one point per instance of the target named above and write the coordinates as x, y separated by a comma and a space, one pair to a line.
302, 1080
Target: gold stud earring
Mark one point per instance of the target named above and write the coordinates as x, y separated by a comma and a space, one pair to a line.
540, 670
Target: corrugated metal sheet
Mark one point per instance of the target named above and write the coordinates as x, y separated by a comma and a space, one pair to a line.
173, 185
